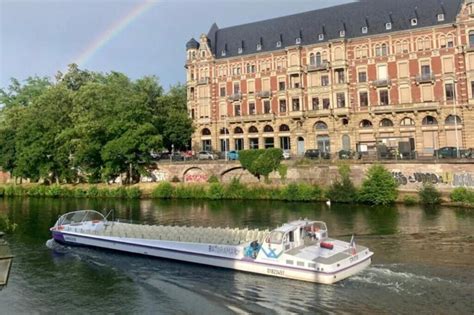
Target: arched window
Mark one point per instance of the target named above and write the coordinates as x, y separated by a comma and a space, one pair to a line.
407, 121
453, 120
320, 125
206, 132
224, 131
267, 128
284, 128
384, 49
429, 120
311, 59
318, 58
253, 129
471, 39
386, 123
238, 130
365, 124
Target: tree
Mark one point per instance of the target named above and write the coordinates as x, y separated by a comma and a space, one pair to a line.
343, 190
261, 162
379, 186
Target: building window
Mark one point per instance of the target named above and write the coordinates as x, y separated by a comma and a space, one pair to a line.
326, 103
383, 96
278, 44
259, 47
298, 41
362, 76
296, 104
324, 80
381, 50
388, 26
224, 145
237, 110
472, 89
321, 37
429, 120
365, 124
315, 103
252, 108
341, 100
236, 87
282, 106
440, 17
340, 76
414, 22
222, 93
471, 39
240, 50
281, 85
449, 91
266, 107
342, 33
285, 143
206, 145
363, 99
365, 29
253, 143
320, 125
386, 123
312, 60
318, 58
407, 121
239, 144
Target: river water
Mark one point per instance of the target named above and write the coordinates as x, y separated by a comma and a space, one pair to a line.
423, 263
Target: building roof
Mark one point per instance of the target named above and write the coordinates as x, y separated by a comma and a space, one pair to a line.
350, 18
192, 43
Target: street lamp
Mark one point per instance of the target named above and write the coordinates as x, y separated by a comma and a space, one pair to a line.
6, 259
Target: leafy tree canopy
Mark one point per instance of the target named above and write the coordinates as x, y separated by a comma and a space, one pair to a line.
261, 162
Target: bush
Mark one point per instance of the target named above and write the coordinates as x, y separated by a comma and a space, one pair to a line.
429, 194
261, 162
235, 190
283, 171
213, 179
301, 192
14, 190
379, 187
215, 191
164, 190
344, 190
461, 194
133, 193
92, 192
409, 200
6, 225
80, 193
37, 191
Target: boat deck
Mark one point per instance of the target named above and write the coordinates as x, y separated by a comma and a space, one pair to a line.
187, 234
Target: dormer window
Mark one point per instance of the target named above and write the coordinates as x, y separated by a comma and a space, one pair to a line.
321, 36
240, 50
278, 44
342, 33
365, 29
259, 46
414, 22
440, 17
223, 53
388, 26
298, 41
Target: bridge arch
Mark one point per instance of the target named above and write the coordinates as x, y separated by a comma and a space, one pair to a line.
195, 174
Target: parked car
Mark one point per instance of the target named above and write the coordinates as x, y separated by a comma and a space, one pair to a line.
316, 154
348, 154
206, 155
164, 156
286, 154
446, 152
177, 156
233, 155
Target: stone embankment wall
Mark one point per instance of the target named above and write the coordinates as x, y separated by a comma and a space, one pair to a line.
409, 175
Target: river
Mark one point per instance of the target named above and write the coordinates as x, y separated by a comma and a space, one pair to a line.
423, 263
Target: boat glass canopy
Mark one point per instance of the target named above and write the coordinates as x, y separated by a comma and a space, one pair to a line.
79, 217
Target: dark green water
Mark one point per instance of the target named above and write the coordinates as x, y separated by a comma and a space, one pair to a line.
423, 263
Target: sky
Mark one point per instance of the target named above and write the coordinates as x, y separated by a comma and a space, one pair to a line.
135, 37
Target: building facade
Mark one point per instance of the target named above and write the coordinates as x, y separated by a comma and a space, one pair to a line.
345, 77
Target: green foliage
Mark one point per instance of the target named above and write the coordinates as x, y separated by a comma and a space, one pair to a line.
14, 190
93, 192
283, 171
379, 187
429, 194
133, 193
215, 191
261, 162
164, 190
235, 190
343, 190
175, 179
6, 225
462, 194
301, 192
409, 200
213, 179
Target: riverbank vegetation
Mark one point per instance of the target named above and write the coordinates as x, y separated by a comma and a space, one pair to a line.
88, 126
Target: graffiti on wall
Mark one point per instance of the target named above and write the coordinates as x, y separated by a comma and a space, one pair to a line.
446, 178
195, 178
154, 176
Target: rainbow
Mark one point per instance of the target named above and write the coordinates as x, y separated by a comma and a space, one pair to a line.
112, 31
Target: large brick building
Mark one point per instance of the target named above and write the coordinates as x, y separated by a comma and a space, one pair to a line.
344, 77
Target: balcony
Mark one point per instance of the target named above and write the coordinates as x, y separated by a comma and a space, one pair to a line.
341, 111
323, 66
264, 94
383, 109
401, 108
382, 83
296, 114
318, 113
425, 78
235, 97
203, 81
294, 69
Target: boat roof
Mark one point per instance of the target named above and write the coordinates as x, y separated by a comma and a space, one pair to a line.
290, 226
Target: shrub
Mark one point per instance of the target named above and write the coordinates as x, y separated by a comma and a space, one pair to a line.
14, 190
261, 162
300, 192
235, 190
164, 190
462, 194
80, 193
215, 191
379, 187
6, 225
344, 190
37, 191
183, 192
283, 171
92, 192
429, 194
213, 179
55, 191
133, 193
409, 200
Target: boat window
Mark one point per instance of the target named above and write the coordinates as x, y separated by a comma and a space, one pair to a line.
292, 237
300, 263
289, 262
311, 265
276, 237
80, 216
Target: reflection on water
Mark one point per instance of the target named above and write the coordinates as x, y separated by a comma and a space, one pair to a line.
423, 261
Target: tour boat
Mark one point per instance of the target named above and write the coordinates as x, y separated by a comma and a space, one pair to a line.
298, 250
